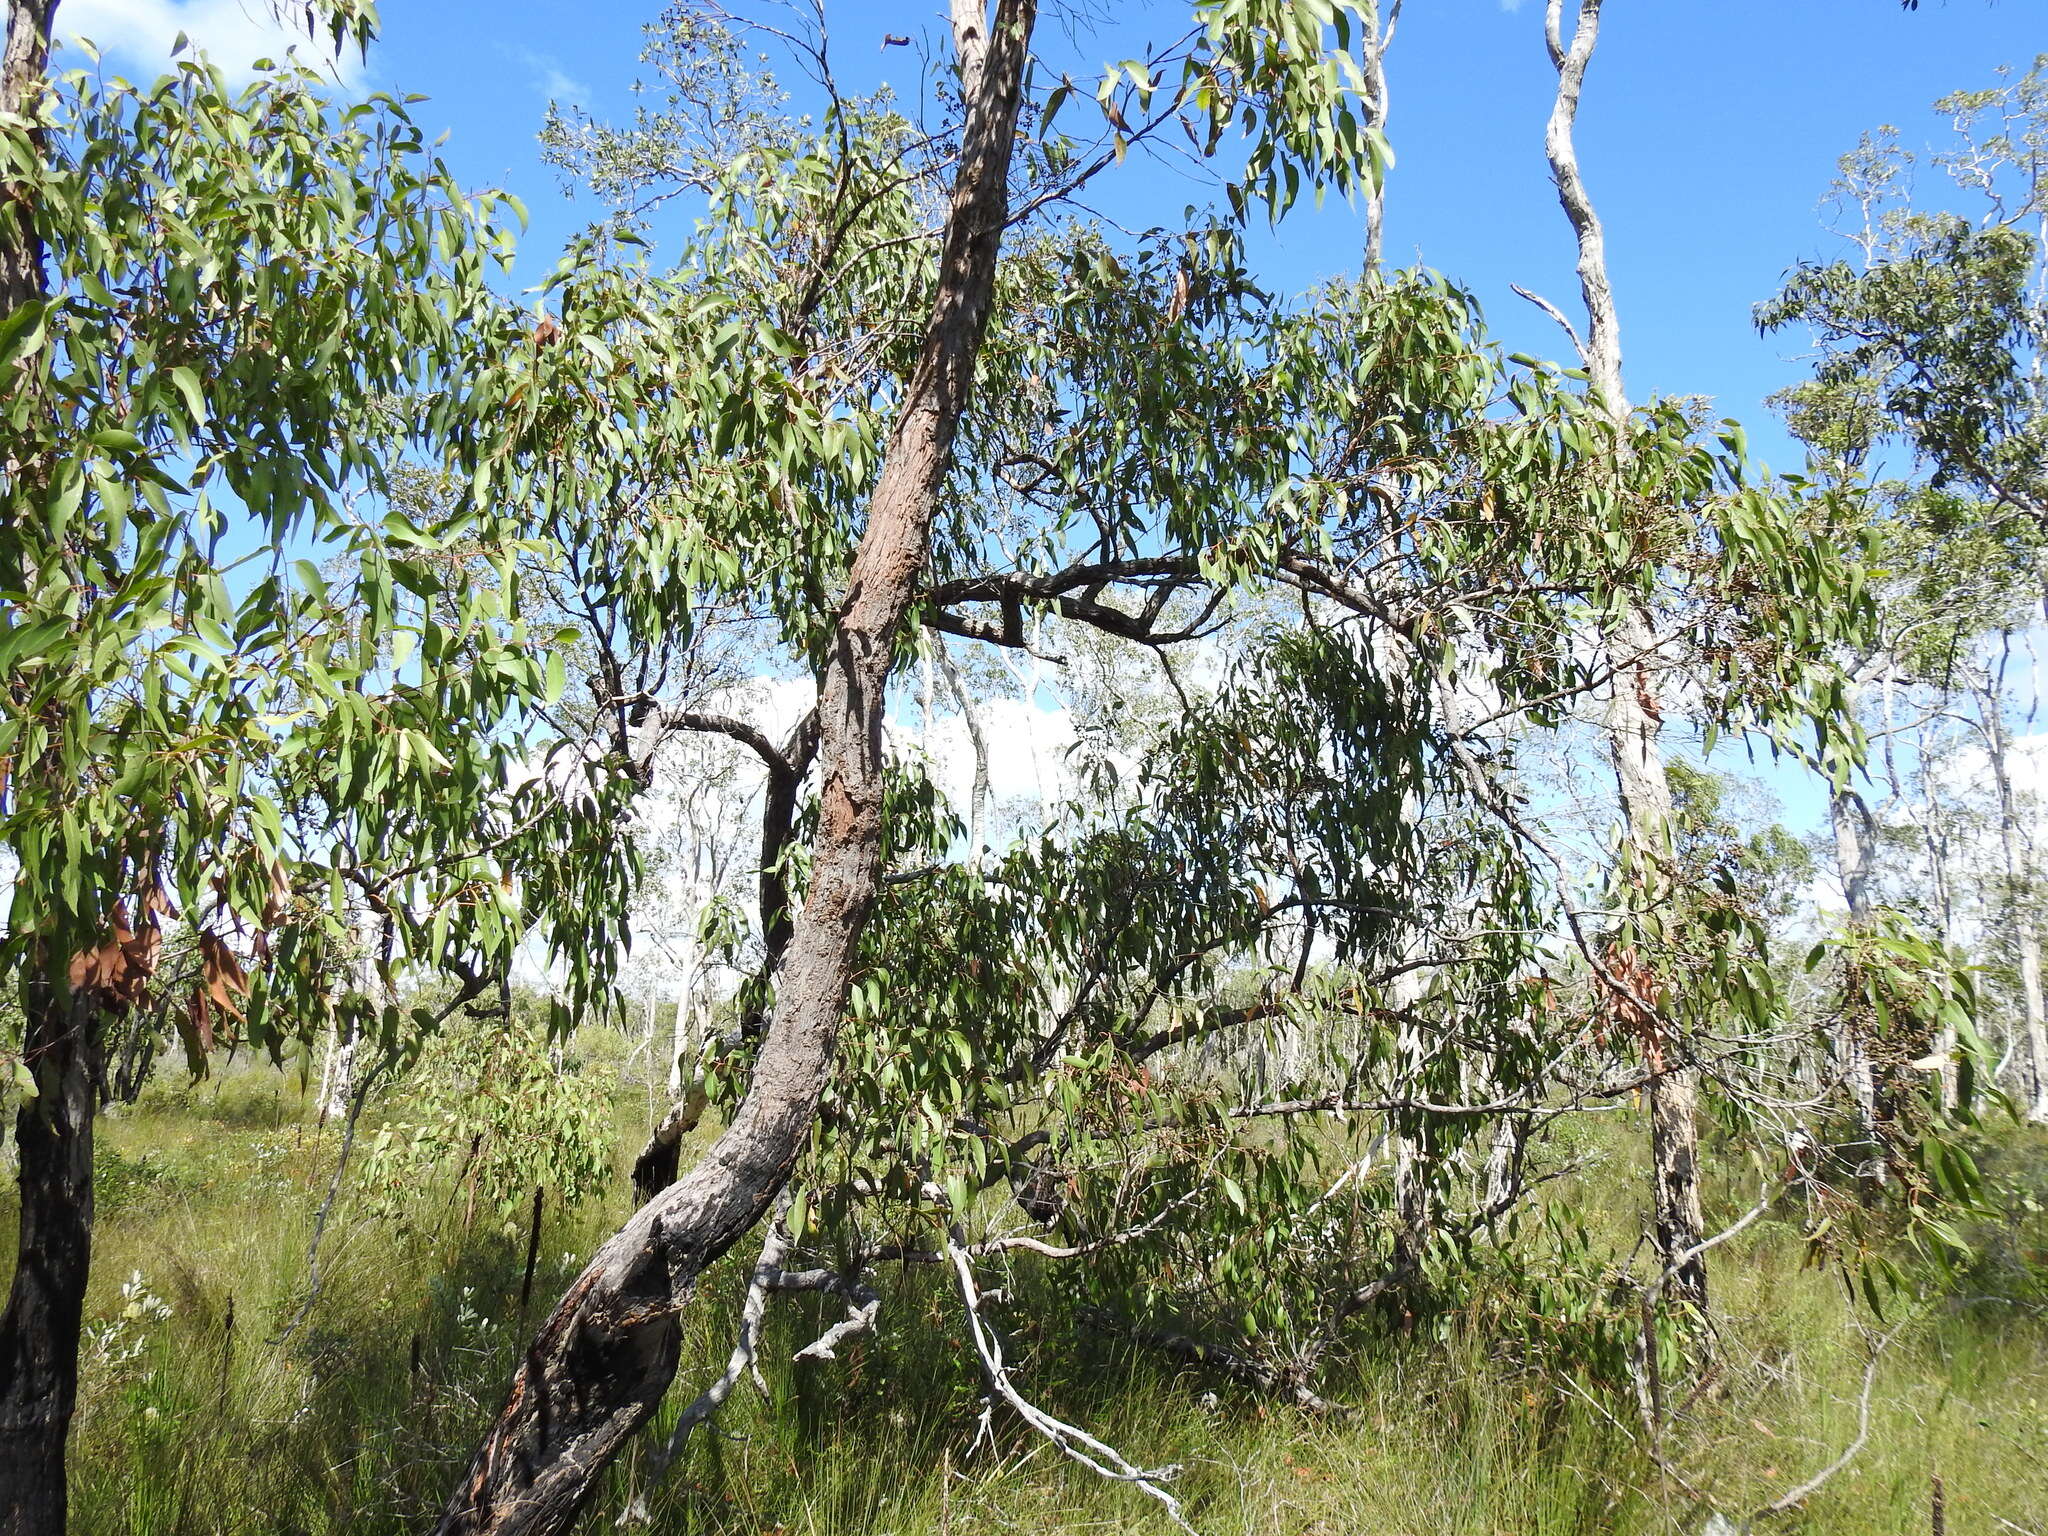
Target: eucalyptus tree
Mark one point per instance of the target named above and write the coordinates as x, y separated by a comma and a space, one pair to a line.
604, 1358
1634, 717
1929, 339
813, 468
1157, 453
229, 315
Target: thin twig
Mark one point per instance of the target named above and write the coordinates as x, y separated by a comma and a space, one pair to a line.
314, 1278
1550, 309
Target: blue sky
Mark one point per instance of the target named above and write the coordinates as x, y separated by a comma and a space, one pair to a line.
1708, 134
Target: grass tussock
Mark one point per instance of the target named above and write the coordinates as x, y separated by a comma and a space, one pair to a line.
205, 1414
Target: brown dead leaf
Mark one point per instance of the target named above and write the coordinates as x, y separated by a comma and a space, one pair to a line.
120, 969
198, 1030
1630, 1003
1646, 697
1177, 305
222, 976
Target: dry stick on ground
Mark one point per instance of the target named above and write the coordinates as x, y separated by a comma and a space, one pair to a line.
603, 1360
1793, 1498
1077, 1444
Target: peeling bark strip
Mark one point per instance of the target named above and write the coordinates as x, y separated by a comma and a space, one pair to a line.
602, 1361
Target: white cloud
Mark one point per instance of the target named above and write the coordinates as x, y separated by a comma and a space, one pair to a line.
550, 80
140, 34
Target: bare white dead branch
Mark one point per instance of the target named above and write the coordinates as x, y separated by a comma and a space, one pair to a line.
1794, 1497
1602, 349
1379, 37
1077, 1444
1765, 1201
767, 1269
1564, 323
863, 1307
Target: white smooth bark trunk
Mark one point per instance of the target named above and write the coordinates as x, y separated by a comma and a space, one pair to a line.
1379, 38
977, 739
1855, 861
1634, 715
1633, 733
1935, 841
686, 1010
2019, 910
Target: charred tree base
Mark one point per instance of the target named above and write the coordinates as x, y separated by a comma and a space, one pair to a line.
39, 1331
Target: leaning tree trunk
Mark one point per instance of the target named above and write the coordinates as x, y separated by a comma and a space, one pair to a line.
1634, 717
602, 1361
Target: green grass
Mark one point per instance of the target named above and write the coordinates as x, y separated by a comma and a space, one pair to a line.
209, 1193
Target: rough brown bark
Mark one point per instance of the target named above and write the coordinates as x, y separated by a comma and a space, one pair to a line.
39, 1330
602, 1361
24, 66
